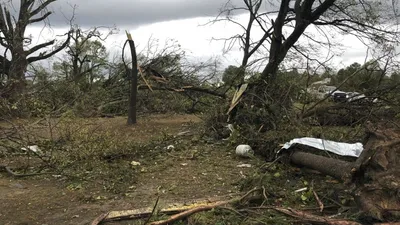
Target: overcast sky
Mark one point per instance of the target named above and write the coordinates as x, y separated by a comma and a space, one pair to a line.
163, 19
133, 13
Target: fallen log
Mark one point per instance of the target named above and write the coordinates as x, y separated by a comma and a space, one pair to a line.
374, 178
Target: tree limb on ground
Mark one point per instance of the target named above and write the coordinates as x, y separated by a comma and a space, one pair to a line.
373, 177
180, 212
314, 219
9, 171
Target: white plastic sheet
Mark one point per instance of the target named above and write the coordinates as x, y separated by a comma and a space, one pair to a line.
33, 148
340, 148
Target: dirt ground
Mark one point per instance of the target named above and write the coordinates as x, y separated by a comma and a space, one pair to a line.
200, 171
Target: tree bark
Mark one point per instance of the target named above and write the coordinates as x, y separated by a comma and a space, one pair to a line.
134, 83
17, 71
12, 39
332, 167
373, 177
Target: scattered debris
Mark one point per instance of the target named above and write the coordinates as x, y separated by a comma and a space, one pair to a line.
244, 151
313, 219
373, 176
231, 129
184, 133
244, 166
178, 212
33, 148
320, 203
135, 164
170, 147
237, 97
301, 190
340, 148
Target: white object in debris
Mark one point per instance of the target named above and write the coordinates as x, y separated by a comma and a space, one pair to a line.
340, 148
183, 133
33, 148
244, 166
170, 147
301, 190
134, 163
230, 127
244, 150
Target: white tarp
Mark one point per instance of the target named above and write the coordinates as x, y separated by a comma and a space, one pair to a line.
340, 148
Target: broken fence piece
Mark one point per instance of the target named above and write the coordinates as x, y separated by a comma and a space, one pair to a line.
340, 148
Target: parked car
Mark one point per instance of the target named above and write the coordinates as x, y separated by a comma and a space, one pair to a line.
354, 96
339, 96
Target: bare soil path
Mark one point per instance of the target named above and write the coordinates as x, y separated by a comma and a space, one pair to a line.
199, 172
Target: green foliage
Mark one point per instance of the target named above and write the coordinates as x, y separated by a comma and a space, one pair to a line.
86, 154
233, 76
53, 93
86, 58
368, 77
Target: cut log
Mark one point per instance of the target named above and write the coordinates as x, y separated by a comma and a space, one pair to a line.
336, 168
374, 177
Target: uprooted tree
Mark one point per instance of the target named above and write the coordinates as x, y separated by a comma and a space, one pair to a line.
287, 27
18, 53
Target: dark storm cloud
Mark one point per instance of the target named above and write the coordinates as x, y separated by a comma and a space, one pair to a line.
132, 12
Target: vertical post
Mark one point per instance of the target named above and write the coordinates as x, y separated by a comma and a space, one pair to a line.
134, 82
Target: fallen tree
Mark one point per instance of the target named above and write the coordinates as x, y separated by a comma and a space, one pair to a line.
373, 178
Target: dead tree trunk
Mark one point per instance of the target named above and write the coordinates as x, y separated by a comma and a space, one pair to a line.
17, 71
12, 38
134, 83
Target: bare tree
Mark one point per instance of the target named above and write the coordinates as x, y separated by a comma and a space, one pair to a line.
13, 39
285, 22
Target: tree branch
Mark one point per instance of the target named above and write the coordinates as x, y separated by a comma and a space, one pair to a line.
48, 55
92, 68
321, 9
38, 47
40, 18
40, 8
9, 23
3, 27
